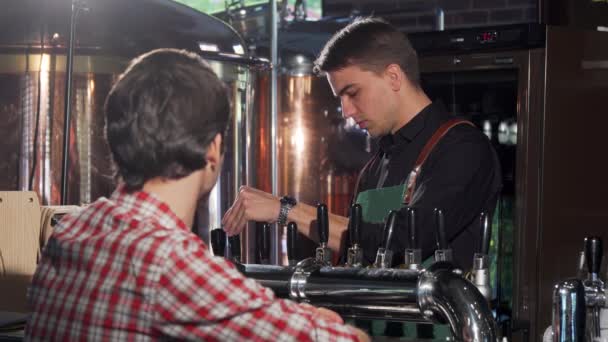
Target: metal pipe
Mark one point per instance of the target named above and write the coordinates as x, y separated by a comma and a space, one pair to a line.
379, 293
446, 295
365, 287
274, 121
249, 234
68, 105
437, 294
402, 313
238, 150
256, 68
272, 276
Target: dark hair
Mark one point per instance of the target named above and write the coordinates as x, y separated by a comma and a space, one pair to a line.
162, 114
372, 44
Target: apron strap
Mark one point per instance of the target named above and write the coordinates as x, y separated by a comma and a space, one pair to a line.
369, 162
426, 150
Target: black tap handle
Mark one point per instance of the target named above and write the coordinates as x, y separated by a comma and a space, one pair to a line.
389, 229
486, 232
235, 247
411, 223
442, 240
263, 231
292, 236
593, 254
323, 223
354, 224
218, 241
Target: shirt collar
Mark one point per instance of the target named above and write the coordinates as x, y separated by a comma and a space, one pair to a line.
408, 132
146, 204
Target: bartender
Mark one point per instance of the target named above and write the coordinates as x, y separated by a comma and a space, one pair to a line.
426, 159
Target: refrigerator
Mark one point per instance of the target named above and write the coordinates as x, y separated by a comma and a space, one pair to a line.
539, 93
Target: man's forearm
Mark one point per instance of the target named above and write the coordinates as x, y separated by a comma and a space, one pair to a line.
305, 216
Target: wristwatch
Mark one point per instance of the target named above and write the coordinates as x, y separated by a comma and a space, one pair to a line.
286, 204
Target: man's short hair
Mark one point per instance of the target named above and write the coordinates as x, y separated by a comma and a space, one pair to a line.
372, 44
162, 114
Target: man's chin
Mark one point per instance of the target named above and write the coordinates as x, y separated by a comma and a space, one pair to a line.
373, 133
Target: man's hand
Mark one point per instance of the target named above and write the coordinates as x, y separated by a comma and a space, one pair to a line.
362, 335
324, 313
250, 205
331, 316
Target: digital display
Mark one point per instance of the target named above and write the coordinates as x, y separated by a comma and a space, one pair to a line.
214, 6
313, 7
487, 37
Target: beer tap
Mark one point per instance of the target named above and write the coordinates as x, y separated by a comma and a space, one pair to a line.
323, 253
481, 264
444, 253
413, 254
568, 311
354, 256
384, 257
263, 231
593, 256
595, 298
218, 242
578, 306
581, 272
234, 243
292, 235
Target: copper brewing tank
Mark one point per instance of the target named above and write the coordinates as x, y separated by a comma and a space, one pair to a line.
32, 85
32, 93
319, 152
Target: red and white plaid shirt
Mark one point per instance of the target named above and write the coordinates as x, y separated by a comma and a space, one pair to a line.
126, 268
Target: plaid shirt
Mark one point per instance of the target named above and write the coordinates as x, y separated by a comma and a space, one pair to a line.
126, 268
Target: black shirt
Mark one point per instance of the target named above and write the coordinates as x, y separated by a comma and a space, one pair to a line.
461, 176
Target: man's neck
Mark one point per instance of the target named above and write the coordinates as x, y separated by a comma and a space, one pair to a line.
180, 195
410, 106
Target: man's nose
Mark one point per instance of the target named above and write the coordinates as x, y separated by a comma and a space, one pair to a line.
348, 109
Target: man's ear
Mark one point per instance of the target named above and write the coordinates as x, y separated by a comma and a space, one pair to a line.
395, 76
214, 151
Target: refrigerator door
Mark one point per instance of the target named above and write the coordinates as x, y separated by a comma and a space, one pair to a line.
574, 201
493, 90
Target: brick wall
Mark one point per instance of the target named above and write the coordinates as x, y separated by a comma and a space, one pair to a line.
420, 15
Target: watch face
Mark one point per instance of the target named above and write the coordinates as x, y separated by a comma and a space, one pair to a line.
288, 200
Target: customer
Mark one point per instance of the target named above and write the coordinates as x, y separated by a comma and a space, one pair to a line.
128, 267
